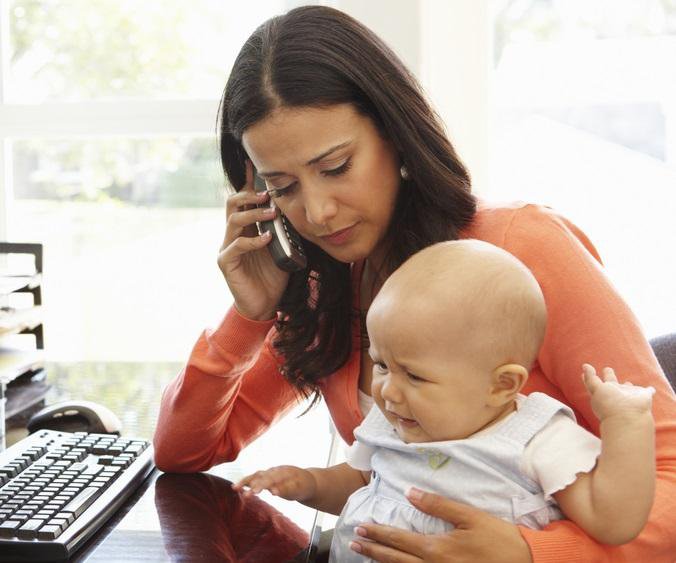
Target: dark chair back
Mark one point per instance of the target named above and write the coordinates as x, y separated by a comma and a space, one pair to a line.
665, 350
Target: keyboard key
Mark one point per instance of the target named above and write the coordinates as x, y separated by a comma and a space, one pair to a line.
19, 465
8, 528
121, 462
67, 516
92, 469
49, 532
43, 463
34, 453
82, 501
72, 490
101, 437
29, 529
52, 480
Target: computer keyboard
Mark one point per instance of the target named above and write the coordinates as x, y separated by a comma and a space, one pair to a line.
58, 488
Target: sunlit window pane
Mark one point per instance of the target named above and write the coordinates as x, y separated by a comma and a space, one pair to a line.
131, 230
84, 49
164, 172
585, 122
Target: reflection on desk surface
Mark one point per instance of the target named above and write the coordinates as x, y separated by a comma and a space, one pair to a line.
198, 517
202, 516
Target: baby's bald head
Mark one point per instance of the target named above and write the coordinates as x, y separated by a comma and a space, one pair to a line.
469, 295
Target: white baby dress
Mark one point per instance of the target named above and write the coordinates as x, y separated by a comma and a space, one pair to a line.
509, 470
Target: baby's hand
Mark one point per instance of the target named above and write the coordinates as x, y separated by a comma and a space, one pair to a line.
286, 481
610, 397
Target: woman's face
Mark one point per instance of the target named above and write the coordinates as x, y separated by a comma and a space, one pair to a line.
334, 177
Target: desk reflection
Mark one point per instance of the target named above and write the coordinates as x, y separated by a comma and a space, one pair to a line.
203, 519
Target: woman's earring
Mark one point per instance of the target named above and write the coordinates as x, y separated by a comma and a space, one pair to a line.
403, 172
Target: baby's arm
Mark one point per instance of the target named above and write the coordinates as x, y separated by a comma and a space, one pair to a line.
612, 502
324, 489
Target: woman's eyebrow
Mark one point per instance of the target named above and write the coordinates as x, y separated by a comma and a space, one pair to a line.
327, 153
309, 162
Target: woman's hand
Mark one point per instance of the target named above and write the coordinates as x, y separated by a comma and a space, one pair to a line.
477, 536
255, 282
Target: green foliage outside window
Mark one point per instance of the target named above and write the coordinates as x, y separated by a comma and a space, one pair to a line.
83, 50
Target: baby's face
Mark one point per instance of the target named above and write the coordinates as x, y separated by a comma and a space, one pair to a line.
424, 380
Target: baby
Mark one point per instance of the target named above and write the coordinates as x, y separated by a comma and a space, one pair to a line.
453, 334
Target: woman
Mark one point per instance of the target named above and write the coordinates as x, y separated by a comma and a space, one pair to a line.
358, 163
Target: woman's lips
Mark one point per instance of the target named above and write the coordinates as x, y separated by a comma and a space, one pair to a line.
339, 237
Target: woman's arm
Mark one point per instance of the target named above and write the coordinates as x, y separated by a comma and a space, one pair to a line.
229, 393
612, 502
588, 322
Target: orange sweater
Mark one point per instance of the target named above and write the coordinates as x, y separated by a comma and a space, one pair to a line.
231, 390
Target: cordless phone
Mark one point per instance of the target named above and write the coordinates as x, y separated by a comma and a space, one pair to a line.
285, 247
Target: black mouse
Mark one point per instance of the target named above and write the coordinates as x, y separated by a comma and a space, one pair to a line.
75, 416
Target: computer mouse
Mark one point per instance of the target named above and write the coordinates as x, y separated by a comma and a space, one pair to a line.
75, 416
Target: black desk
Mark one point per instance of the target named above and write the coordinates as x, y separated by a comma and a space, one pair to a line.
195, 517
198, 517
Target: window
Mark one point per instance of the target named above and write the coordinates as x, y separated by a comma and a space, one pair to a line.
110, 159
585, 121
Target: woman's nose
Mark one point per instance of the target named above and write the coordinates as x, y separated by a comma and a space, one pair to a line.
320, 207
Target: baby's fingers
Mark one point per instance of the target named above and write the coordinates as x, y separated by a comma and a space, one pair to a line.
254, 483
590, 379
608, 375
243, 482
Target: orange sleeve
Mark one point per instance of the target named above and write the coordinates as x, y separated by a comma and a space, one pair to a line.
589, 322
228, 394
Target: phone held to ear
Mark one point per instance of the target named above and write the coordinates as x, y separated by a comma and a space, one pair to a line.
285, 247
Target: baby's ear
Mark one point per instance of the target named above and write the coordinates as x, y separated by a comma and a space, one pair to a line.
506, 382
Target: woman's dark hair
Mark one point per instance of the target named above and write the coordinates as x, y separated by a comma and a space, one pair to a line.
315, 56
